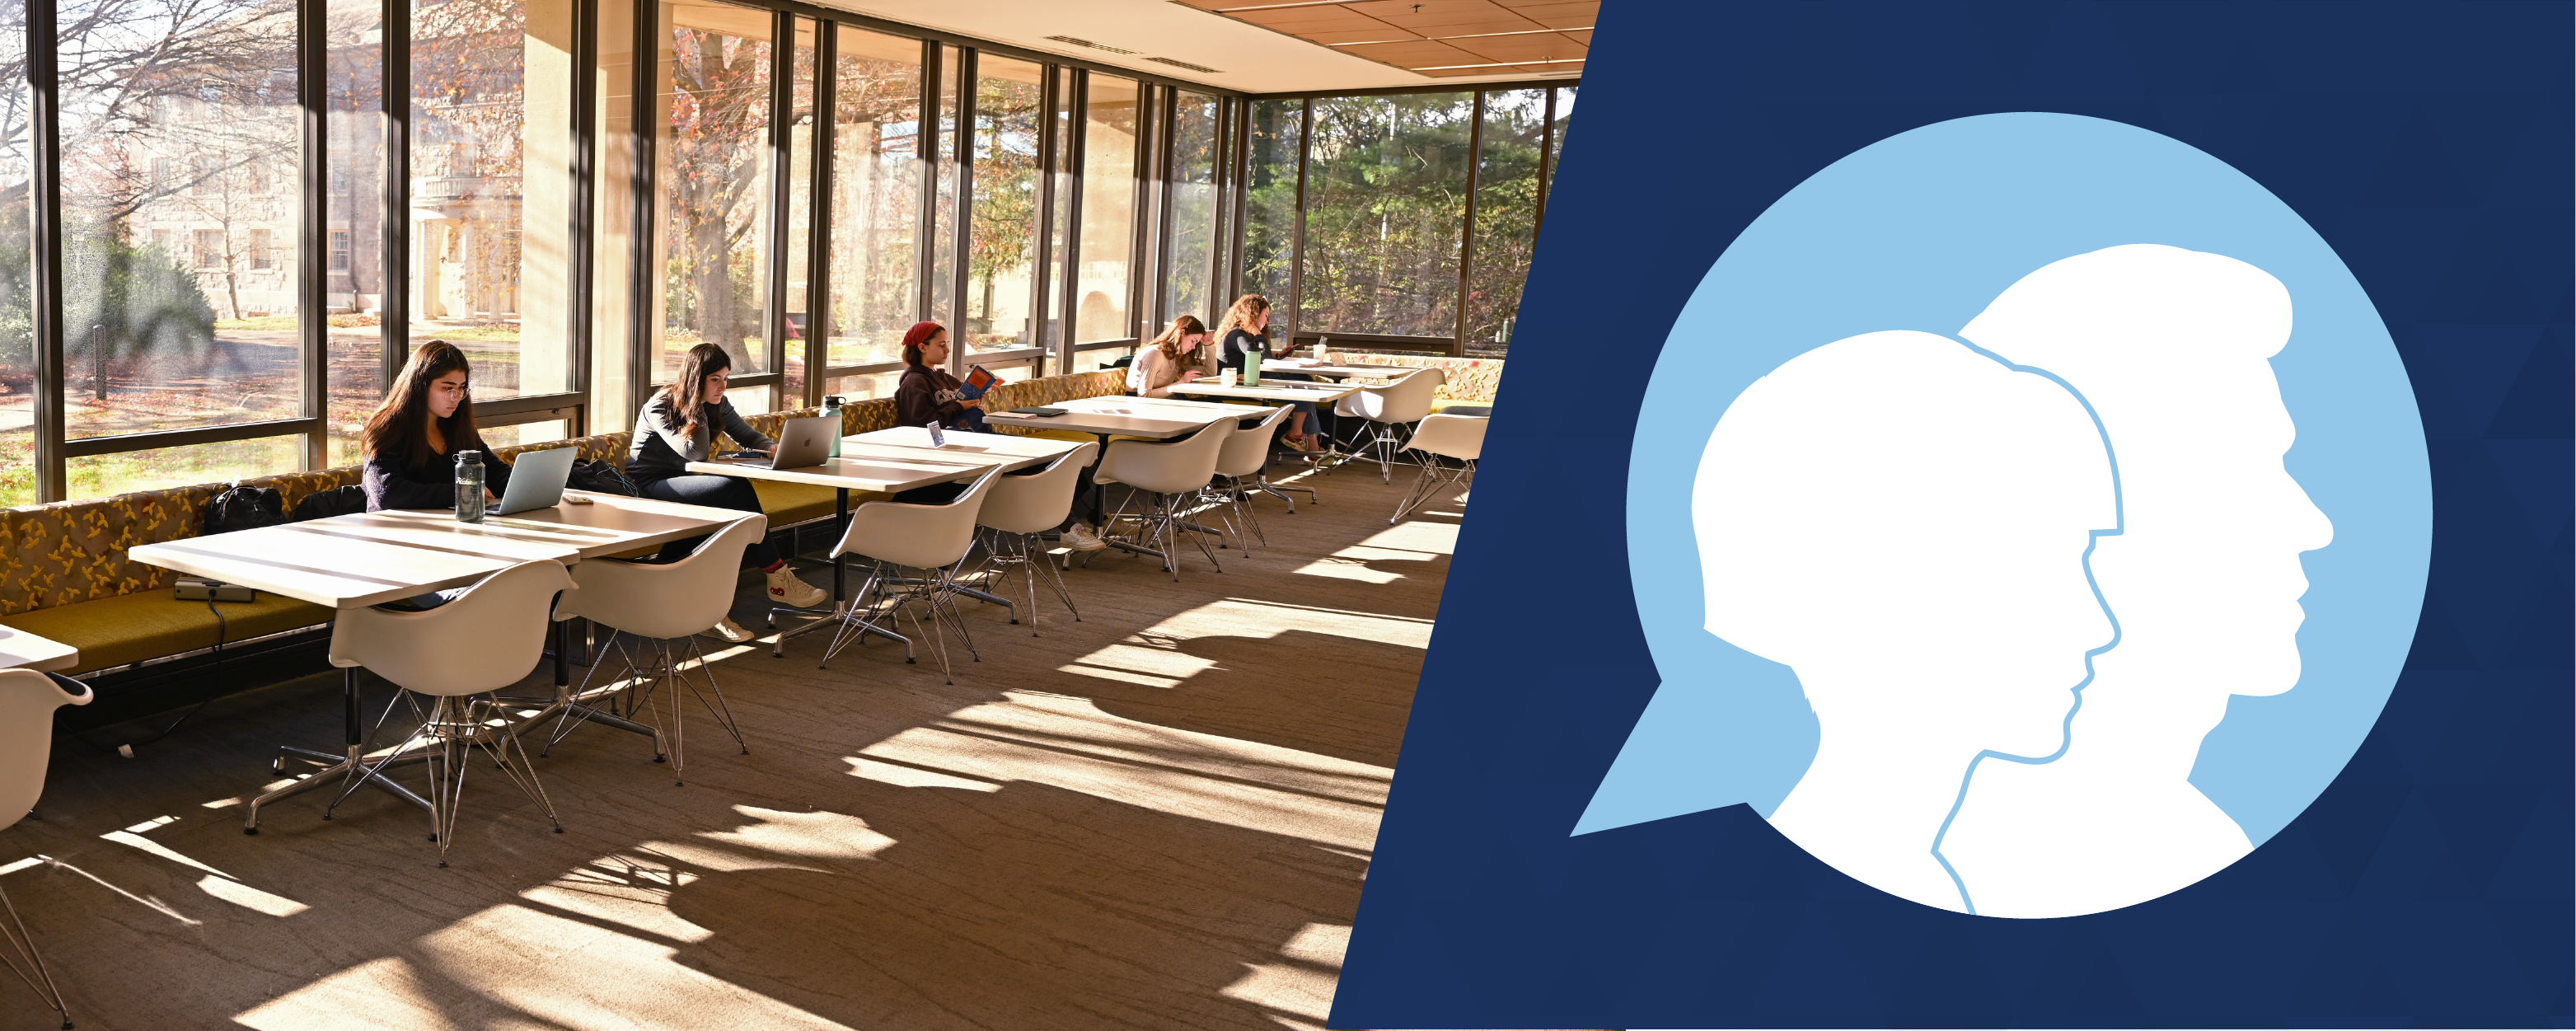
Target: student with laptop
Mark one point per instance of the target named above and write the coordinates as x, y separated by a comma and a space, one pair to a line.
677, 427
410, 443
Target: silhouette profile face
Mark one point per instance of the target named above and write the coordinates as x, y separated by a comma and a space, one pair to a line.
1904, 522
2172, 348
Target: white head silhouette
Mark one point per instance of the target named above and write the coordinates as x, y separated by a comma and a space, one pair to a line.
1904, 522
2172, 347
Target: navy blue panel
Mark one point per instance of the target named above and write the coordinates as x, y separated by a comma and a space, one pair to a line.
2430, 885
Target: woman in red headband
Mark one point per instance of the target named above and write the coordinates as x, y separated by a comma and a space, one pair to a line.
928, 393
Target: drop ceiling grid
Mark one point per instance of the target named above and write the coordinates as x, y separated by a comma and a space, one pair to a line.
1438, 38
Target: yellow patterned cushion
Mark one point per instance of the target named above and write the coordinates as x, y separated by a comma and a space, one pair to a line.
134, 627
1469, 380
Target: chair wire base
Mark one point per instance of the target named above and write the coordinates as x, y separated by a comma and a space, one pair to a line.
1427, 486
452, 729
887, 598
29, 965
1162, 522
1008, 555
658, 671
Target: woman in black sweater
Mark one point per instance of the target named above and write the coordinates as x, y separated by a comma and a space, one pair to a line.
927, 393
412, 440
1246, 329
677, 427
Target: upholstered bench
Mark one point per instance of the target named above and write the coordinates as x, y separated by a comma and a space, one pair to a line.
64, 573
1469, 381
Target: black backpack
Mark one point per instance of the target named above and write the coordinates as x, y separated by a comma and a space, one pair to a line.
600, 477
244, 508
338, 501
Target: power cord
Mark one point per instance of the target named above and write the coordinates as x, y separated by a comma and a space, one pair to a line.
223, 631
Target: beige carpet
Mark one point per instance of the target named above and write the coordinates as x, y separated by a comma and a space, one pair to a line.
1156, 817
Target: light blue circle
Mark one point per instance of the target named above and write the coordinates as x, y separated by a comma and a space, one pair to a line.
1921, 231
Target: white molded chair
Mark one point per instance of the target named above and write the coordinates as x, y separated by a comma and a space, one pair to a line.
1383, 409
1017, 511
659, 603
1247, 453
27, 703
1459, 437
1172, 474
931, 538
485, 640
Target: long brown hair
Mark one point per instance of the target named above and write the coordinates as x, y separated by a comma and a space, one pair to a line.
398, 432
688, 393
1181, 328
1246, 308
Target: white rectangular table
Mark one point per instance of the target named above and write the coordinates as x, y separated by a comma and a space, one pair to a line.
864, 465
1158, 418
22, 650
354, 561
1269, 391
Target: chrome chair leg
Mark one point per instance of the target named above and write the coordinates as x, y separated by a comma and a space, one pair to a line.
1427, 486
29, 965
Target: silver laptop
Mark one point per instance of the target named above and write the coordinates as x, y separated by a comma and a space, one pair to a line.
803, 442
537, 479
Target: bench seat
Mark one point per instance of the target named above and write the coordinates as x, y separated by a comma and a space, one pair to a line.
130, 628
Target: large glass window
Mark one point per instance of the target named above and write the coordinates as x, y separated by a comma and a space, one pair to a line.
354, 95
714, 175
1111, 120
1386, 211
17, 311
1270, 203
179, 131
613, 229
876, 197
1009, 115
1507, 196
1190, 235
491, 188
796, 257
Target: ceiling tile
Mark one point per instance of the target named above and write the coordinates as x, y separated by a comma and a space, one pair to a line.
1315, 19
1413, 55
1204, 5
1564, 14
1583, 36
1382, 34
1444, 17
1538, 46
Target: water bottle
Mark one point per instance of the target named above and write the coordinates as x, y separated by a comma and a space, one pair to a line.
1251, 366
832, 407
469, 486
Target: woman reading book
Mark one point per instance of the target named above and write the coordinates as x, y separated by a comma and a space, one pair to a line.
927, 392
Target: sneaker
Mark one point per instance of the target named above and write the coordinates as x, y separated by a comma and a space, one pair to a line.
786, 589
1298, 442
1080, 538
729, 630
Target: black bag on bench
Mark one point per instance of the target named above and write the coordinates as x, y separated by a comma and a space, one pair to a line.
244, 508
600, 477
337, 501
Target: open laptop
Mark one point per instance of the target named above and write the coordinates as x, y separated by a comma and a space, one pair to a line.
802, 442
537, 479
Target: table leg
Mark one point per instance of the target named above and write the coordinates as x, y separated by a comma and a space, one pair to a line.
351, 766
840, 527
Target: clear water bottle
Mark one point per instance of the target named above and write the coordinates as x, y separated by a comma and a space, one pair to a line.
832, 407
469, 486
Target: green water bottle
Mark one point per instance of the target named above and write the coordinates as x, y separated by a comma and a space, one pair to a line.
1252, 367
832, 407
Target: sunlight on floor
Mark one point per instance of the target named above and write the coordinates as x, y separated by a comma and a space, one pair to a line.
1431, 534
1302, 986
1153, 657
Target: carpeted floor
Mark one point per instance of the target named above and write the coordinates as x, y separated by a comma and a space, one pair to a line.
1156, 817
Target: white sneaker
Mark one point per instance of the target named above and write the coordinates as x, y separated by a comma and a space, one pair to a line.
1080, 538
729, 630
786, 589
